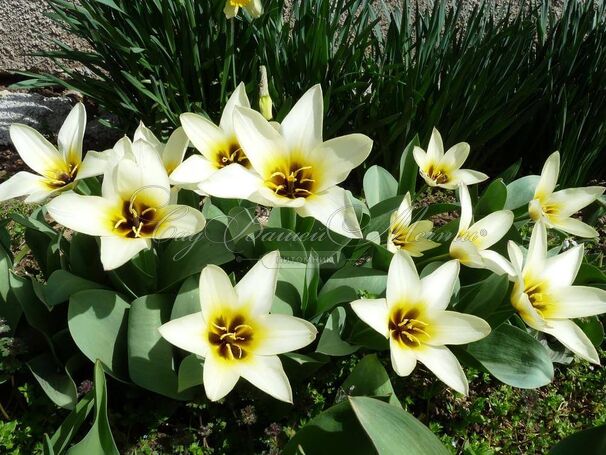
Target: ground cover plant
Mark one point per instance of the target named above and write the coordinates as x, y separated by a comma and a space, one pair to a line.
209, 282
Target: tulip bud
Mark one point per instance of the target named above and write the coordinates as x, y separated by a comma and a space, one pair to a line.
265, 102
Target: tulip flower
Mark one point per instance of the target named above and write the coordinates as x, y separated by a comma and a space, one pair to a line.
217, 144
406, 235
414, 318
58, 168
236, 335
293, 167
134, 208
252, 7
444, 169
172, 152
545, 298
555, 209
470, 246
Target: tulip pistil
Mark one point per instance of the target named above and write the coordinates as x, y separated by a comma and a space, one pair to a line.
136, 219
233, 154
406, 328
294, 183
230, 336
63, 177
437, 175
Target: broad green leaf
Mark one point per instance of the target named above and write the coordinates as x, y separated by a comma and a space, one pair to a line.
63, 284
485, 298
286, 241
98, 321
391, 429
408, 168
379, 185
492, 199
331, 342
587, 442
593, 328
69, 428
99, 440
150, 357
85, 258
369, 378
57, 384
360, 279
299, 366
514, 357
521, 191
190, 372
188, 298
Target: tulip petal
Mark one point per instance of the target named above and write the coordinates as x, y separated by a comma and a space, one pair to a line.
537, 250
117, 251
468, 176
571, 200
577, 302
456, 156
420, 157
466, 208
71, 135
216, 291
549, 176
204, 134
403, 360
496, 263
437, 287
144, 133
403, 216
257, 288
466, 252
174, 150
374, 313
254, 8
435, 149
571, 336
146, 180
516, 256
492, 228
94, 164
574, 227
402, 279
333, 210
284, 333
35, 151
562, 268
339, 156
527, 312
445, 366
450, 327
91, 215
267, 374
21, 184
219, 377
237, 98
264, 147
178, 221
302, 126
186, 333
192, 171
232, 182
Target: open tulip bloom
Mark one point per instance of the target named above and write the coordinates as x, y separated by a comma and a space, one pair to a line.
236, 335
555, 209
470, 246
406, 235
217, 144
414, 318
58, 169
444, 169
292, 166
172, 152
545, 298
134, 208
252, 7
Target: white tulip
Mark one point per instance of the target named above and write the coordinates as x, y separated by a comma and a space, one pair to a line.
406, 235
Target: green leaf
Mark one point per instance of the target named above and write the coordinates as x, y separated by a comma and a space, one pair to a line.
379, 185
72, 423
331, 342
362, 279
408, 169
521, 191
514, 357
370, 378
487, 299
286, 241
391, 429
493, 199
150, 357
99, 440
589, 442
98, 321
62, 284
55, 381
593, 328
190, 372
188, 298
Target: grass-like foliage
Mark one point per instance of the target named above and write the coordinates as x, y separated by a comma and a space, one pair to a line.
511, 83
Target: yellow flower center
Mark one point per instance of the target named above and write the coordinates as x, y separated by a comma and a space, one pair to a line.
233, 153
438, 175
538, 295
62, 177
231, 337
292, 182
239, 3
407, 328
136, 219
